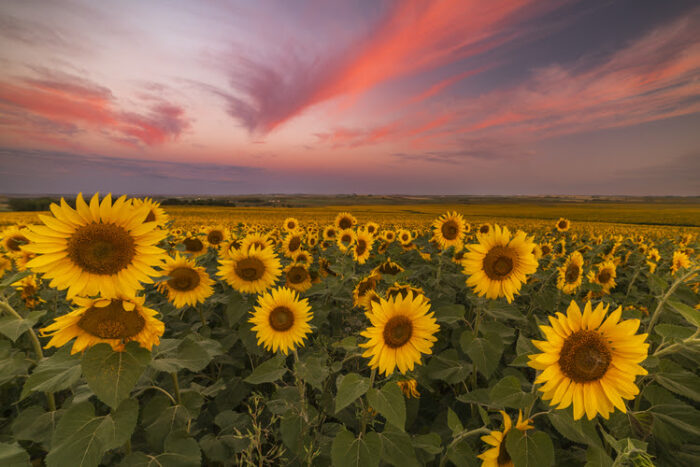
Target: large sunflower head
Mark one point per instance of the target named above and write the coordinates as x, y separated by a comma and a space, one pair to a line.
250, 271
605, 277
281, 320
362, 247
345, 220
293, 243
13, 238
113, 321
588, 362
449, 230
155, 212
346, 238
571, 273
402, 329
497, 266
188, 284
97, 249
297, 277
497, 455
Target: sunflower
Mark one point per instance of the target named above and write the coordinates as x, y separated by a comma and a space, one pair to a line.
484, 229
588, 364
570, 273
405, 237
155, 212
372, 228
449, 230
498, 265
28, 288
251, 271
303, 257
258, 240
545, 248
113, 321
103, 248
324, 268
345, 220
497, 456
563, 225
346, 238
194, 246
281, 320
5, 264
330, 233
312, 240
217, 236
388, 267
362, 247
292, 243
680, 261
605, 277
188, 284
298, 277
409, 388
404, 290
13, 238
290, 224
402, 329
388, 236
360, 293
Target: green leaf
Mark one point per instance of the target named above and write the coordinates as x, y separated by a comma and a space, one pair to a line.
268, 371
12, 455
312, 369
430, 443
485, 352
449, 313
689, 313
236, 309
14, 278
350, 387
35, 424
348, 451
462, 455
530, 449
59, 371
672, 331
597, 457
453, 422
397, 449
291, 428
81, 438
12, 327
507, 393
580, 431
180, 451
112, 375
390, 403
674, 378
448, 366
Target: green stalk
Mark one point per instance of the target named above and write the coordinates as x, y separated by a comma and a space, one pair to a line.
662, 302
176, 384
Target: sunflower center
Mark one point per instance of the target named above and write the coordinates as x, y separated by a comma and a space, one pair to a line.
112, 321
294, 243
14, 243
346, 238
281, 318
361, 247
545, 249
250, 269
150, 217
389, 268
484, 229
503, 456
584, 356
102, 249
562, 224
215, 237
193, 245
572, 273
330, 233
183, 279
498, 262
397, 331
365, 286
370, 229
345, 223
297, 275
604, 276
449, 230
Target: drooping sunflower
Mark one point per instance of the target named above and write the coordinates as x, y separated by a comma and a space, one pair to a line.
362, 247
13, 238
103, 248
388, 267
449, 230
251, 271
497, 456
605, 277
345, 220
588, 364
297, 277
290, 224
281, 320
571, 273
409, 387
360, 292
346, 238
188, 284
680, 261
404, 290
155, 212
402, 329
113, 321
563, 225
293, 243
498, 266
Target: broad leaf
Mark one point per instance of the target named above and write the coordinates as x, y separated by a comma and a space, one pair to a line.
350, 387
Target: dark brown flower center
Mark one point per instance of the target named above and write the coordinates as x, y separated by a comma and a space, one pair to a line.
330, 233
193, 245
371, 229
250, 269
390, 236
183, 279
484, 229
281, 318
585, 356
503, 456
604, 276
345, 223
449, 230
291, 225
498, 262
397, 331
102, 249
297, 275
390, 268
294, 243
151, 216
346, 238
562, 224
112, 321
361, 247
545, 249
365, 286
215, 237
16, 241
572, 273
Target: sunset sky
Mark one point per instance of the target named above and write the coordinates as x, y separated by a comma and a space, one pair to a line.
413, 96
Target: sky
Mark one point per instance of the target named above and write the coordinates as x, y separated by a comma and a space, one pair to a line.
451, 97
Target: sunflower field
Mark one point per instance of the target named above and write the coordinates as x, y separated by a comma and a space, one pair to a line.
134, 337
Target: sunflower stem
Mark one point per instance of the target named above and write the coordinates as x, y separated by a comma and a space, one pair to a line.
176, 385
4, 305
201, 317
301, 386
667, 295
365, 414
